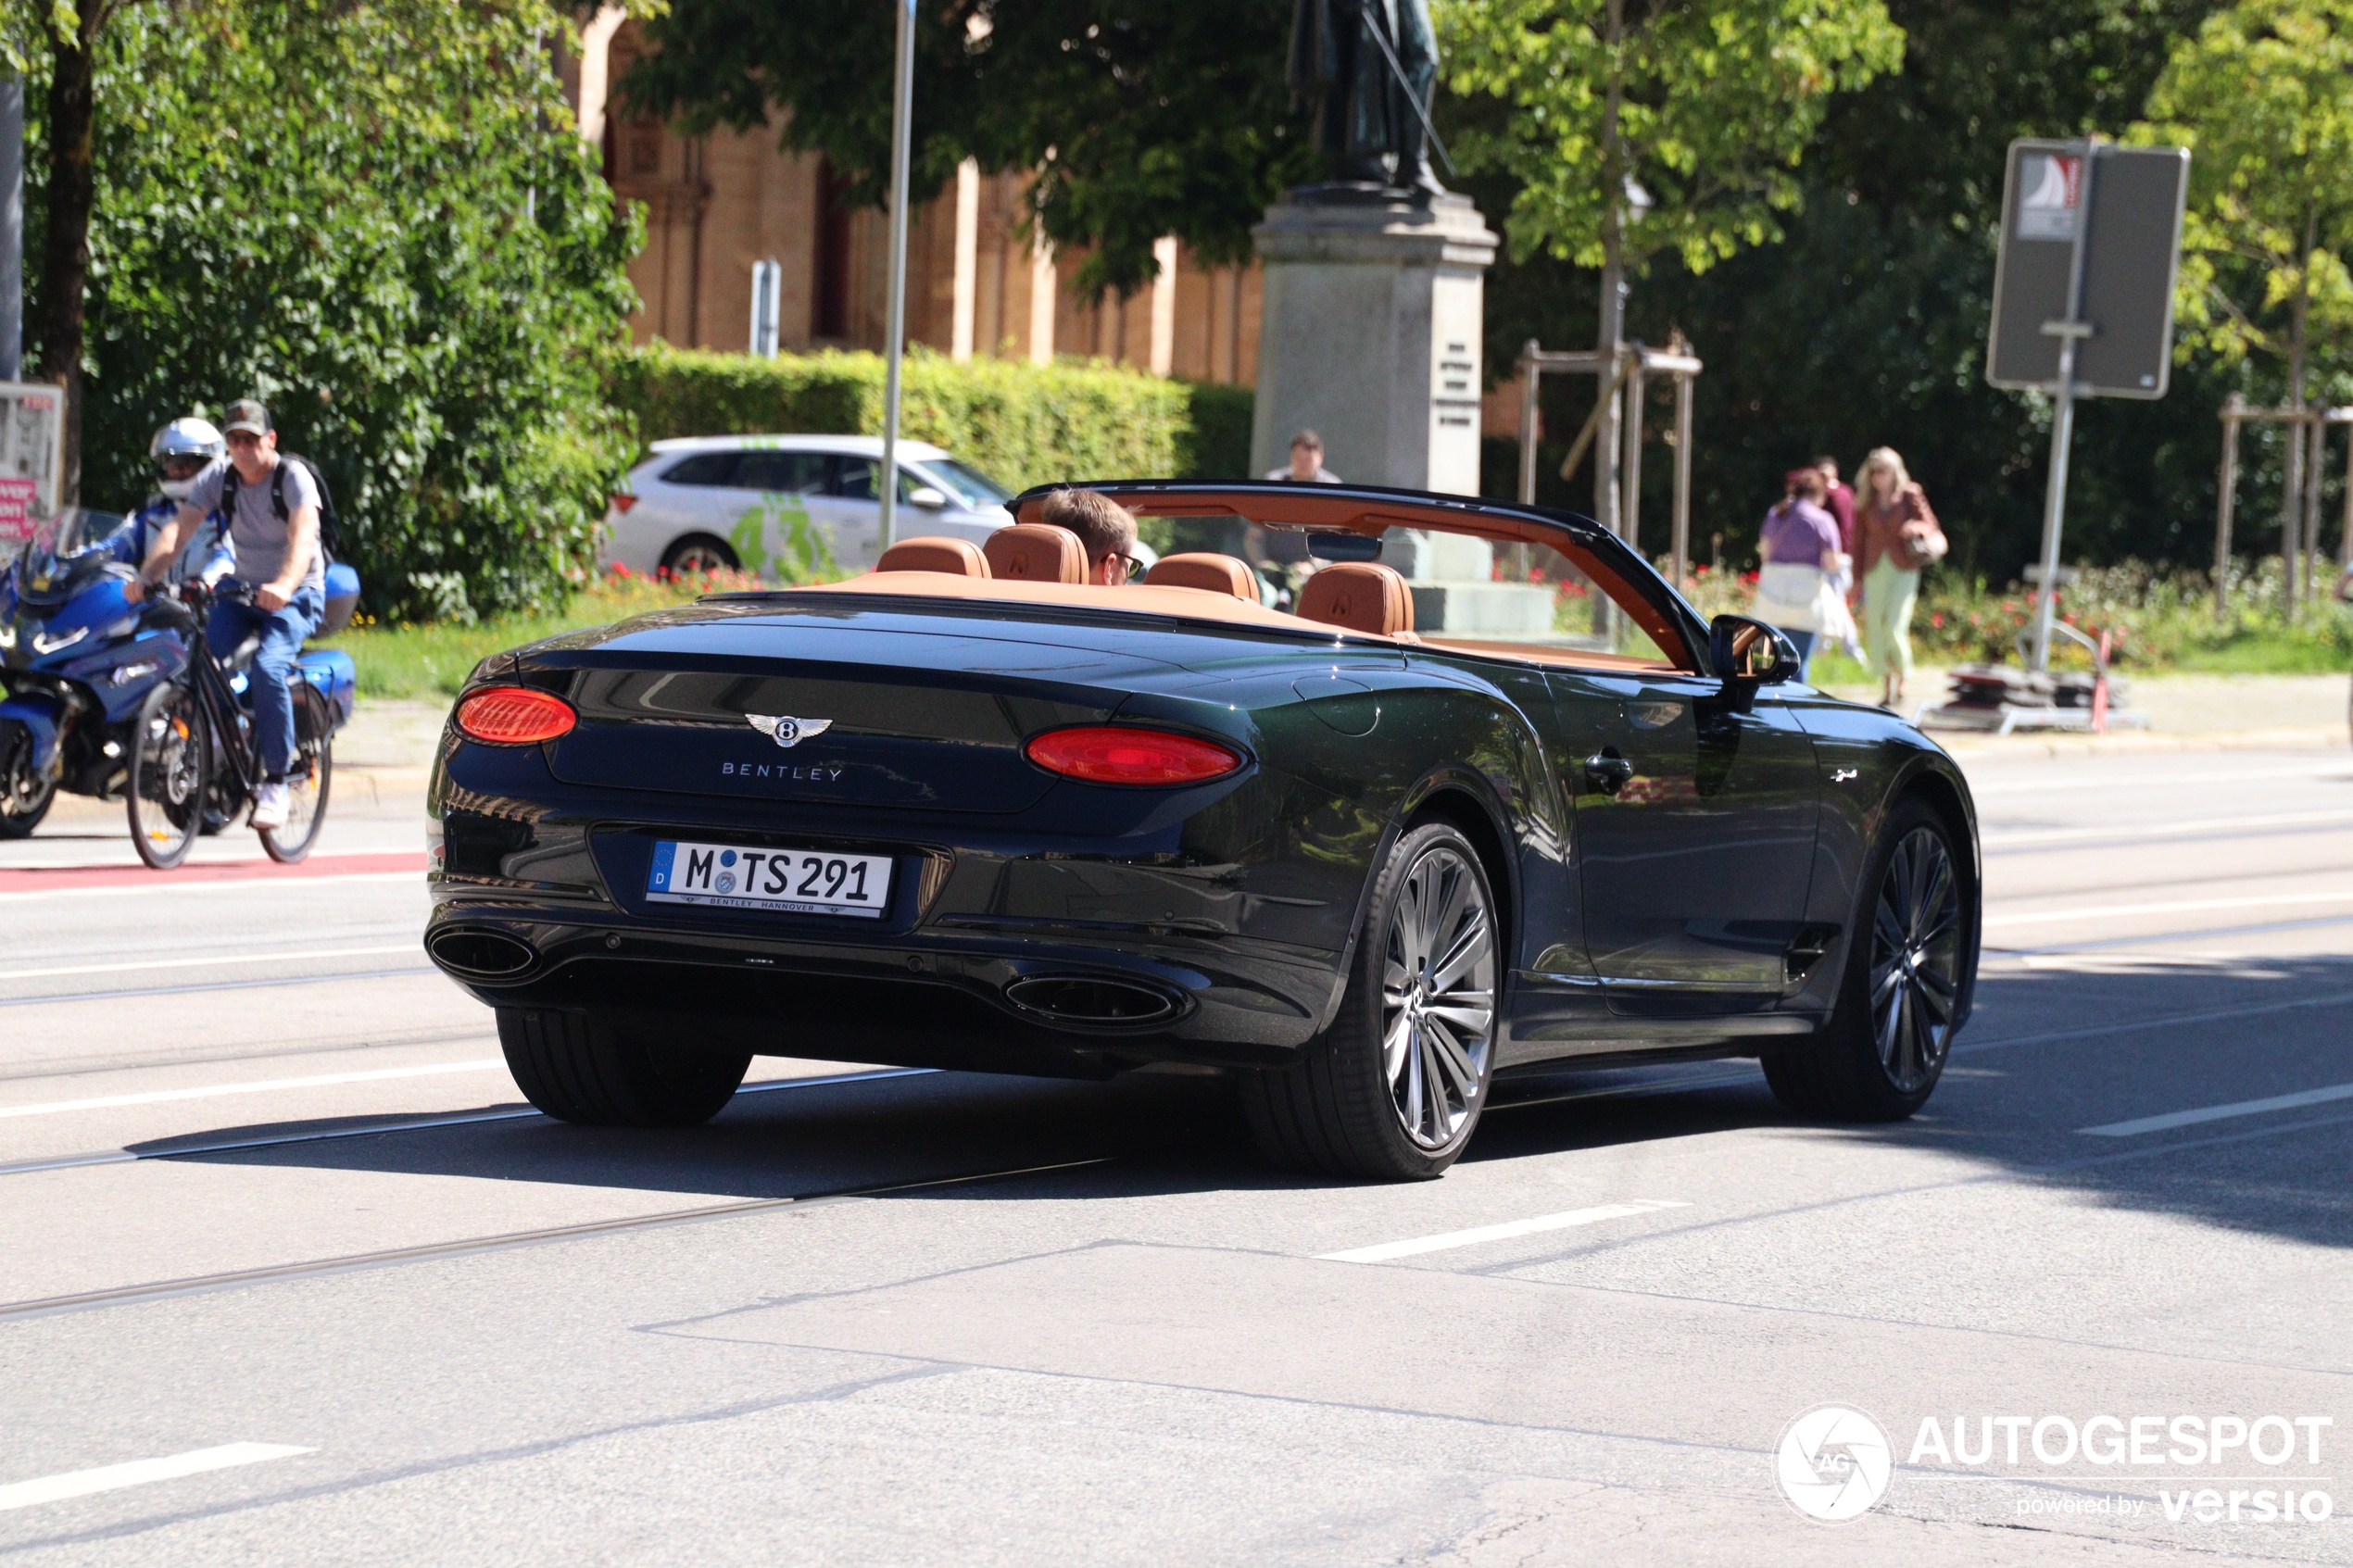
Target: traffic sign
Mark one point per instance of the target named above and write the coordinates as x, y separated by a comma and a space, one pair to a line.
2091, 237
32, 450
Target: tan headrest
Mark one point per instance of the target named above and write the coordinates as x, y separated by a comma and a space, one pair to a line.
1211, 573
1360, 596
957, 557
1037, 552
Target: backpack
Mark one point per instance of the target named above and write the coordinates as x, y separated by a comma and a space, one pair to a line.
330, 528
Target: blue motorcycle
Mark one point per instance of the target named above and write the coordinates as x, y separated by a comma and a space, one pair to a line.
120, 701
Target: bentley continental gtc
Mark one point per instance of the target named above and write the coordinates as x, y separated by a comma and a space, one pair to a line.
1363, 796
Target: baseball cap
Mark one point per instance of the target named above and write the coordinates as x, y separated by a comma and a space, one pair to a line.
247, 415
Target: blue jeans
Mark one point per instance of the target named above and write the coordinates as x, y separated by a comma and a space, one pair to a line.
269, 684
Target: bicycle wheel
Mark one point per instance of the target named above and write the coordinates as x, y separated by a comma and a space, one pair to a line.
306, 785
170, 767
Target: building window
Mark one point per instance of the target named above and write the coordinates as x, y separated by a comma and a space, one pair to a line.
767, 304
833, 255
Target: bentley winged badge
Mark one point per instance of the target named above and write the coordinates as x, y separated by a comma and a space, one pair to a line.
785, 729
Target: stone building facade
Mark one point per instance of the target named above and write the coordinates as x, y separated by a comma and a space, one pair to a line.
718, 204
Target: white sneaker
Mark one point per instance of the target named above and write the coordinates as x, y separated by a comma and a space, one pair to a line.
270, 805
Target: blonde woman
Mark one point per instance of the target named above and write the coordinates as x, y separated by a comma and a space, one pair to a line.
1896, 534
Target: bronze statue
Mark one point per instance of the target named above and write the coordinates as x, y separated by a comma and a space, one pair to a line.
1370, 68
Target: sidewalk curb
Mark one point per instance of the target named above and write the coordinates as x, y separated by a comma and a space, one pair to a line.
2137, 743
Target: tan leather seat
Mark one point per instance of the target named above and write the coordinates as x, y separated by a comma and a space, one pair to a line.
1359, 597
1211, 574
1036, 552
957, 557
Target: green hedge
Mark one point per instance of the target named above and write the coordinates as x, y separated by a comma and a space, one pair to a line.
1024, 424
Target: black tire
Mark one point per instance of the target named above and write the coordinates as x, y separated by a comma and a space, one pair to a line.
307, 786
24, 798
1343, 1109
699, 553
1880, 1055
170, 772
579, 1069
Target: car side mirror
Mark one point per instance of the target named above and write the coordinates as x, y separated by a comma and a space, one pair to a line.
929, 496
1751, 652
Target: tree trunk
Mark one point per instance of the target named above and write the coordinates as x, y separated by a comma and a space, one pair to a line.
2291, 491
65, 267
1612, 334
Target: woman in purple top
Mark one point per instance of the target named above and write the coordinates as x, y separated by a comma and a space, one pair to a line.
1802, 556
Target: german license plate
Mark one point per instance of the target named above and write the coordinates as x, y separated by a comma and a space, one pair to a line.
805, 882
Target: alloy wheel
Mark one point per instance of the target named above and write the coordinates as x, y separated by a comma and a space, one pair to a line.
1438, 997
1915, 959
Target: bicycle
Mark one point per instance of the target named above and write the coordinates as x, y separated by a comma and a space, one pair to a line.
195, 753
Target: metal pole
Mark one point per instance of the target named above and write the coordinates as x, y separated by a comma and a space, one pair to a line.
2068, 331
1529, 374
902, 115
1683, 540
2055, 495
1631, 512
11, 228
2291, 525
2314, 471
2228, 503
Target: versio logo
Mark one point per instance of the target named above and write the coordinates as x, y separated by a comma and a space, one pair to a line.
1834, 1463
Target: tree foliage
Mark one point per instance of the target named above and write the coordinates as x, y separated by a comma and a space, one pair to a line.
1866, 325
376, 216
2262, 96
1706, 105
1138, 119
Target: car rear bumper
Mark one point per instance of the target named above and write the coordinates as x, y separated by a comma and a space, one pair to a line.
1033, 1001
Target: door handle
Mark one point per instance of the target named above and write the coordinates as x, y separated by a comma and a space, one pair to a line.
1608, 772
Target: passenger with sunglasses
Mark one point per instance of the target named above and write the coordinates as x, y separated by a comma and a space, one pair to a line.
1106, 529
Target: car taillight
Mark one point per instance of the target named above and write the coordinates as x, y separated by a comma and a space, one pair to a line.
622, 502
1119, 755
514, 715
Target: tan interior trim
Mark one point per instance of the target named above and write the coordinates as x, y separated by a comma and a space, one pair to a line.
1140, 598
1566, 659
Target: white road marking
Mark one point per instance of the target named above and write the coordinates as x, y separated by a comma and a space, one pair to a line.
2219, 1112
138, 1472
166, 882
1999, 840
265, 1086
2169, 907
1561, 1221
126, 966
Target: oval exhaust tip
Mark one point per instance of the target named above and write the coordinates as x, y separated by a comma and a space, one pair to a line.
1084, 999
485, 955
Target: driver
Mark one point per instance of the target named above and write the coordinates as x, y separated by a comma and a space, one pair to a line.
1105, 529
181, 451
276, 554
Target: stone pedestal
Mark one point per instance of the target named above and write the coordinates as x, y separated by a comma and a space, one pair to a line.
1370, 336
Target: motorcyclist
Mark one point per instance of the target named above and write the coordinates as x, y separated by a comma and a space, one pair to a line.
274, 535
181, 451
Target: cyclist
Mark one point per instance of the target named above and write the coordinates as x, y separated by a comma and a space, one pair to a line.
272, 508
181, 451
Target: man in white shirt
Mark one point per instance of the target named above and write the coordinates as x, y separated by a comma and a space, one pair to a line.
273, 507
1307, 465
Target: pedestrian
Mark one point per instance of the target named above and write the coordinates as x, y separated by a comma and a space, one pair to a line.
1897, 535
272, 504
1795, 592
1838, 501
1307, 465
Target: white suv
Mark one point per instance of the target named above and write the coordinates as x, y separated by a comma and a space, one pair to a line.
788, 507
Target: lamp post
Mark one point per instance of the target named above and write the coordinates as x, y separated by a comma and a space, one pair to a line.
902, 114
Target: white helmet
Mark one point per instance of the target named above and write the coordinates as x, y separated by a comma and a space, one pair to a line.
181, 450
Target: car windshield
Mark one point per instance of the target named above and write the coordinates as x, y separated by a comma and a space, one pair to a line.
69, 538
1472, 591
965, 483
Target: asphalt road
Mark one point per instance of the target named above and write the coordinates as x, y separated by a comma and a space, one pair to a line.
288, 1273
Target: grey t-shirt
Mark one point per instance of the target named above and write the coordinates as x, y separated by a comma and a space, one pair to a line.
257, 538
